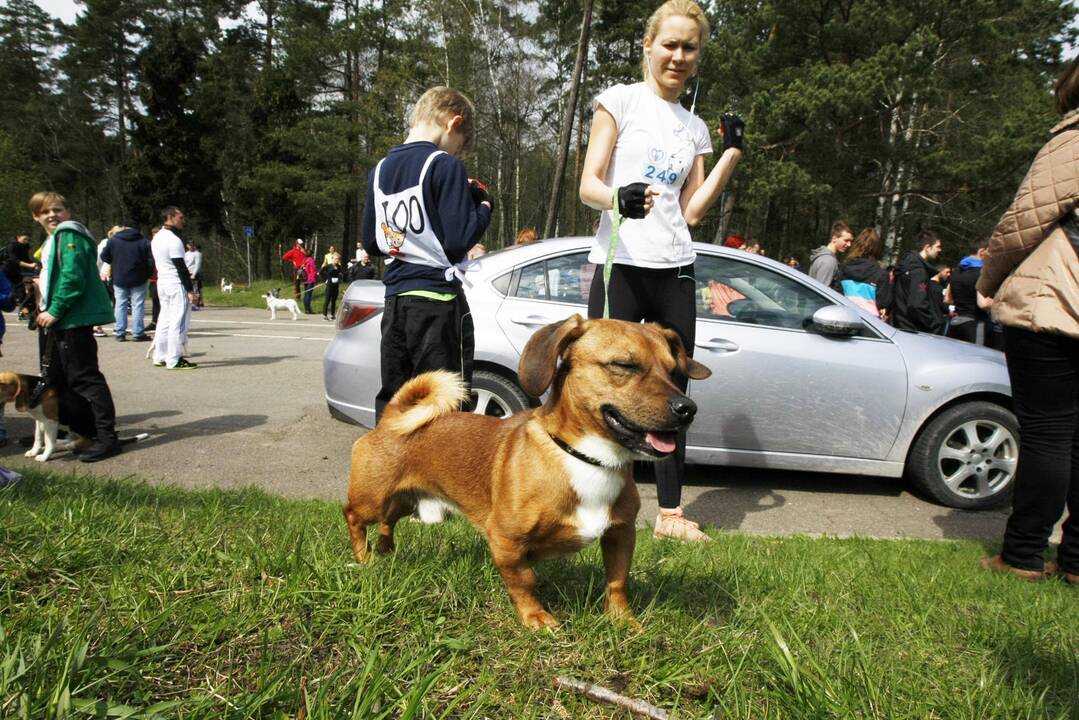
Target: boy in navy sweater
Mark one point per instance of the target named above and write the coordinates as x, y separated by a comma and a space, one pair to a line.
424, 214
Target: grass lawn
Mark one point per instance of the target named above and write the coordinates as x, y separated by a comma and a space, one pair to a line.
121, 599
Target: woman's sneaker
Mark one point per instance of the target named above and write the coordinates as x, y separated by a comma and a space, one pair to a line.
996, 563
673, 524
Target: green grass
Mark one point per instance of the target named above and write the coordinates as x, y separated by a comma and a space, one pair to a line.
121, 599
252, 297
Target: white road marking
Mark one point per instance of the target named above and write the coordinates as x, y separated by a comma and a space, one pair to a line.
278, 323
254, 335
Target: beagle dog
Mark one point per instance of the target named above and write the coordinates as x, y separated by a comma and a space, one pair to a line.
545, 481
45, 409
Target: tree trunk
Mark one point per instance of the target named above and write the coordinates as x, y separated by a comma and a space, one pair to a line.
578, 158
121, 121
567, 120
269, 9
500, 209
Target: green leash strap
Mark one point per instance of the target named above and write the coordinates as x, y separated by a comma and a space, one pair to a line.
616, 223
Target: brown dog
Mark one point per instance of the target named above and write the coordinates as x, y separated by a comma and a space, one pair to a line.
543, 482
15, 387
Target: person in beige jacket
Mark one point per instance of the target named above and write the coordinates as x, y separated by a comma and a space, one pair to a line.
1032, 274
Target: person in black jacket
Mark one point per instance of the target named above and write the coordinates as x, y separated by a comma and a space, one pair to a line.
128, 252
19, 267
359, 269
915, 308
331, 275
972, 322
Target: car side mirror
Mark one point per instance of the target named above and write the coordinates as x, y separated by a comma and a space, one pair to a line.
837, 320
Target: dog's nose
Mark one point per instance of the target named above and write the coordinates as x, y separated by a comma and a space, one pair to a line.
683, 408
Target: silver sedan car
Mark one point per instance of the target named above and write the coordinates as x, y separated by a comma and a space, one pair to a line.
802, 379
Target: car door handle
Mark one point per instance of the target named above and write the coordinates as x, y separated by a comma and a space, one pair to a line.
533, 320
717, 345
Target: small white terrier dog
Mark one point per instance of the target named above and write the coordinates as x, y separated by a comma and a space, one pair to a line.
275, 303
226, 287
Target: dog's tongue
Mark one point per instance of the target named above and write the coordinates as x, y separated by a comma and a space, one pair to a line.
662, 442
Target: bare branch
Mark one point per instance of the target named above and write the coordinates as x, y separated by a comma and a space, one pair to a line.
602, 694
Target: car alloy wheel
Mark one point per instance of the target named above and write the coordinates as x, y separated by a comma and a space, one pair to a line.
967, 455
978, 459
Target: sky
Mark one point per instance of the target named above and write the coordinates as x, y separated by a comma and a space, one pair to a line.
63, 9
67, 9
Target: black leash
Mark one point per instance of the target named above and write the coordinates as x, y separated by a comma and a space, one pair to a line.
44, 363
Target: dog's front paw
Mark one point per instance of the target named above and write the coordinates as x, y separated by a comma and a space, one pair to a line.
624, 616
539, 619
31, 452
42, 457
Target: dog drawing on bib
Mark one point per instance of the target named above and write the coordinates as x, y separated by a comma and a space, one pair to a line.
394, 238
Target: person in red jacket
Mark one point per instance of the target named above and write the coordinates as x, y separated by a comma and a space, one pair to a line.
296, 256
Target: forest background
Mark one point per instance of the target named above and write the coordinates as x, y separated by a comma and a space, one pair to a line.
898, 114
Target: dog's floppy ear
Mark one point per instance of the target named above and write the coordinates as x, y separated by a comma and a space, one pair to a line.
540, 357
686, 365
9, 386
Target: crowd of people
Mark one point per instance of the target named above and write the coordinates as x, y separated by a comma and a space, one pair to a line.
644, 171
308, 275
917, 293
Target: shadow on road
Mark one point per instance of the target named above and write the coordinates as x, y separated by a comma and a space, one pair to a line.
135, 419
260, 360
204, 427
972, 525
744, 491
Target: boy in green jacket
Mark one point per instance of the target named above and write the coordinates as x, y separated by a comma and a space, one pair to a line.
74, 300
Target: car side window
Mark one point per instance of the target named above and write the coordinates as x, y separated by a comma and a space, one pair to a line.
729, 289
563, 279
532, 284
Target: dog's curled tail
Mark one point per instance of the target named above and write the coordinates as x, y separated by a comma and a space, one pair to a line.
422, 399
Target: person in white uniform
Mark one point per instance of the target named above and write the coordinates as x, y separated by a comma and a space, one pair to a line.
644, 169
175, 290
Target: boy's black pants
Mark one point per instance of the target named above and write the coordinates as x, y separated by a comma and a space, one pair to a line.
419, 335
86, 402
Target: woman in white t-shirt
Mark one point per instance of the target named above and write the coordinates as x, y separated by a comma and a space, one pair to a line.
646, 153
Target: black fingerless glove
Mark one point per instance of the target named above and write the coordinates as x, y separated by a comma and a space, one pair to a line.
734, 129
631, 200
479, 192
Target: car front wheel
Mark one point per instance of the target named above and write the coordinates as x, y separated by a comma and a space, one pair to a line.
496, 396
966, 457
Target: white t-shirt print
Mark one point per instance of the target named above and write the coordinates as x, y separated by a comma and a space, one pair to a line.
657, 144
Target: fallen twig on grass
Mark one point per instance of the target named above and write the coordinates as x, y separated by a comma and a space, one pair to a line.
301, 714
602, 694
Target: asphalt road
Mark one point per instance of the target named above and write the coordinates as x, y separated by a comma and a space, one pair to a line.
254, 413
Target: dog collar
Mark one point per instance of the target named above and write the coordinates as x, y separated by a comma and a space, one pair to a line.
574, 452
